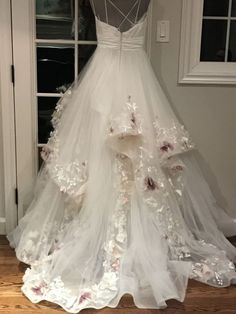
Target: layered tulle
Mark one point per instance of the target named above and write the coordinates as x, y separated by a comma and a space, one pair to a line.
120, 205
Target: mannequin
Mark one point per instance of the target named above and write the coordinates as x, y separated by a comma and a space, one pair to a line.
114, 17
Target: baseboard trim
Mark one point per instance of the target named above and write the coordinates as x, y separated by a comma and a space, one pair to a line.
2, 226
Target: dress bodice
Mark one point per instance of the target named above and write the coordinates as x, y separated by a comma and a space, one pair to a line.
109, 36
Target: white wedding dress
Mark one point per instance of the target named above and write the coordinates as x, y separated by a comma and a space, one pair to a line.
120, 203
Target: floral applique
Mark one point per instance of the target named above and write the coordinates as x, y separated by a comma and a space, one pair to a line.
173, 139
40, 289
84, 296
150, 184
128, 122
45, 152
166, 147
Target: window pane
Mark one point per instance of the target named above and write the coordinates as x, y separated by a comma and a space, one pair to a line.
55, 67
213, 40
54, 19
232, 42
216, 7
85, 52
46, 106
86, 21
233, 12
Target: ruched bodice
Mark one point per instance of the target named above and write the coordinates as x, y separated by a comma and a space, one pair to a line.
110, 37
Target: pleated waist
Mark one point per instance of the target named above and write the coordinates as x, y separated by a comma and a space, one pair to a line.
124, 44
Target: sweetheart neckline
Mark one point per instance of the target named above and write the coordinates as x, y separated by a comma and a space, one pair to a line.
140, 21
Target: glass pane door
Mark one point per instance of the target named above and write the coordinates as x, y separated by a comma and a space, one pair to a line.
65, 40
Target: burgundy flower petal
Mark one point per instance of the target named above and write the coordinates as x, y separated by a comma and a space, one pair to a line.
166, 147
84, 296
150, 183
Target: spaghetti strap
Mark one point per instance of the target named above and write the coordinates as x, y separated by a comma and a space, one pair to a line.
126, 16
136, 17
106, 10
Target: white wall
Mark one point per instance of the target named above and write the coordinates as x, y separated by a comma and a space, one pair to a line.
208, 111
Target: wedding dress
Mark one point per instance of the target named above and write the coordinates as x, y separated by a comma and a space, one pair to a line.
120, 203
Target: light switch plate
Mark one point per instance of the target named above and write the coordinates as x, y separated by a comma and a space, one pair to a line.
163, 31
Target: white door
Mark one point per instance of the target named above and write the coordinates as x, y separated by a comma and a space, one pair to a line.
52, 41
8, 180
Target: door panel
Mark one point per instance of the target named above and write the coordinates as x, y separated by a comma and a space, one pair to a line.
25, 100
8, 208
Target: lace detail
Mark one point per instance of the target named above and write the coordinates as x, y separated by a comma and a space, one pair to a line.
38, 286
42, 241
127, 123
70, 177
157, 197
215, 270
172, 140
160, 189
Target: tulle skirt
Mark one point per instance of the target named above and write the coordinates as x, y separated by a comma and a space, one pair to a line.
120, 203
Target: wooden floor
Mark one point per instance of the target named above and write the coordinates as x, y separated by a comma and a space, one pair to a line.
200, 298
